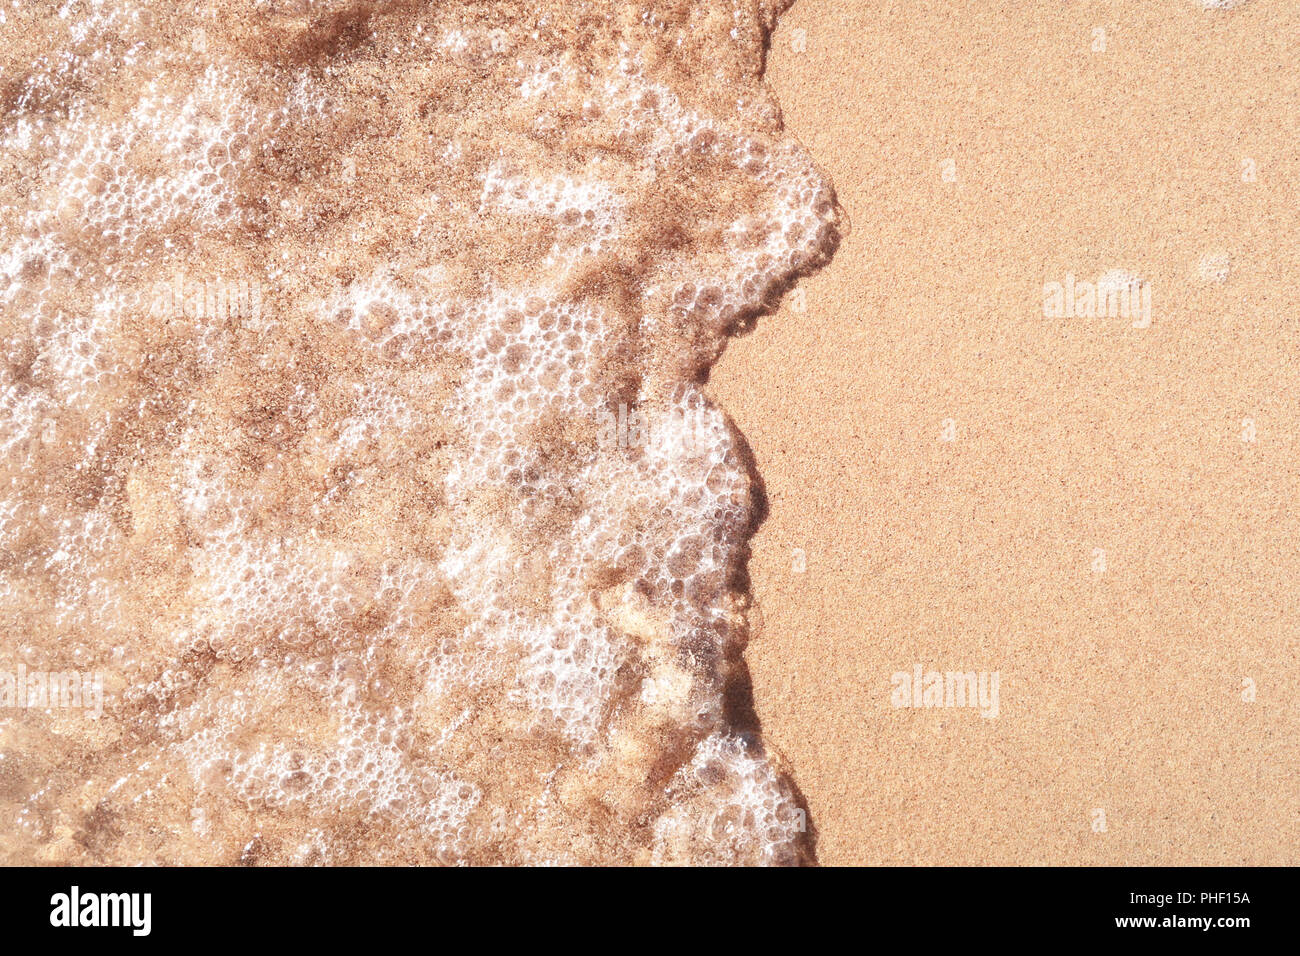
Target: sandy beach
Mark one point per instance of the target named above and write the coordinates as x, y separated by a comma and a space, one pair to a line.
617, 433
1096, 511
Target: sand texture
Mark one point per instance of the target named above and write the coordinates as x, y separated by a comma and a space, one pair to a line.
1100, 509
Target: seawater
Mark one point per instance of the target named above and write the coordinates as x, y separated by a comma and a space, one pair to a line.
314, 316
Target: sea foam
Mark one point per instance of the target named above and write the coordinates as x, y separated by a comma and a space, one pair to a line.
368, 579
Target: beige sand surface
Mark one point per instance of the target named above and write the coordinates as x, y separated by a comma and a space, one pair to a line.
1112, 526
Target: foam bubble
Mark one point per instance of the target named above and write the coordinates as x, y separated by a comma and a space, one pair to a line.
373, 577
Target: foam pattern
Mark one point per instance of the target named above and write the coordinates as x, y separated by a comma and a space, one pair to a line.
382, 573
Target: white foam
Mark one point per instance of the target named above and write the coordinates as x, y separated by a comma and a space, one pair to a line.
349, 547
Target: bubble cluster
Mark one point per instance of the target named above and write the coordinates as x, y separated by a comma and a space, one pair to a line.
586, 212
106, 184
438, 556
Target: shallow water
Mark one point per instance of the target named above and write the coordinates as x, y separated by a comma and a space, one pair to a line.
354, 438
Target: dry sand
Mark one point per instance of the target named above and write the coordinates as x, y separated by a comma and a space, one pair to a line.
1112, 525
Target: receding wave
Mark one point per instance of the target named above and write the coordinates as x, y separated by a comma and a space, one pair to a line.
354, 440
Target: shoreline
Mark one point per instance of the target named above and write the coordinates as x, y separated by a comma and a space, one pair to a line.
1095, 510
